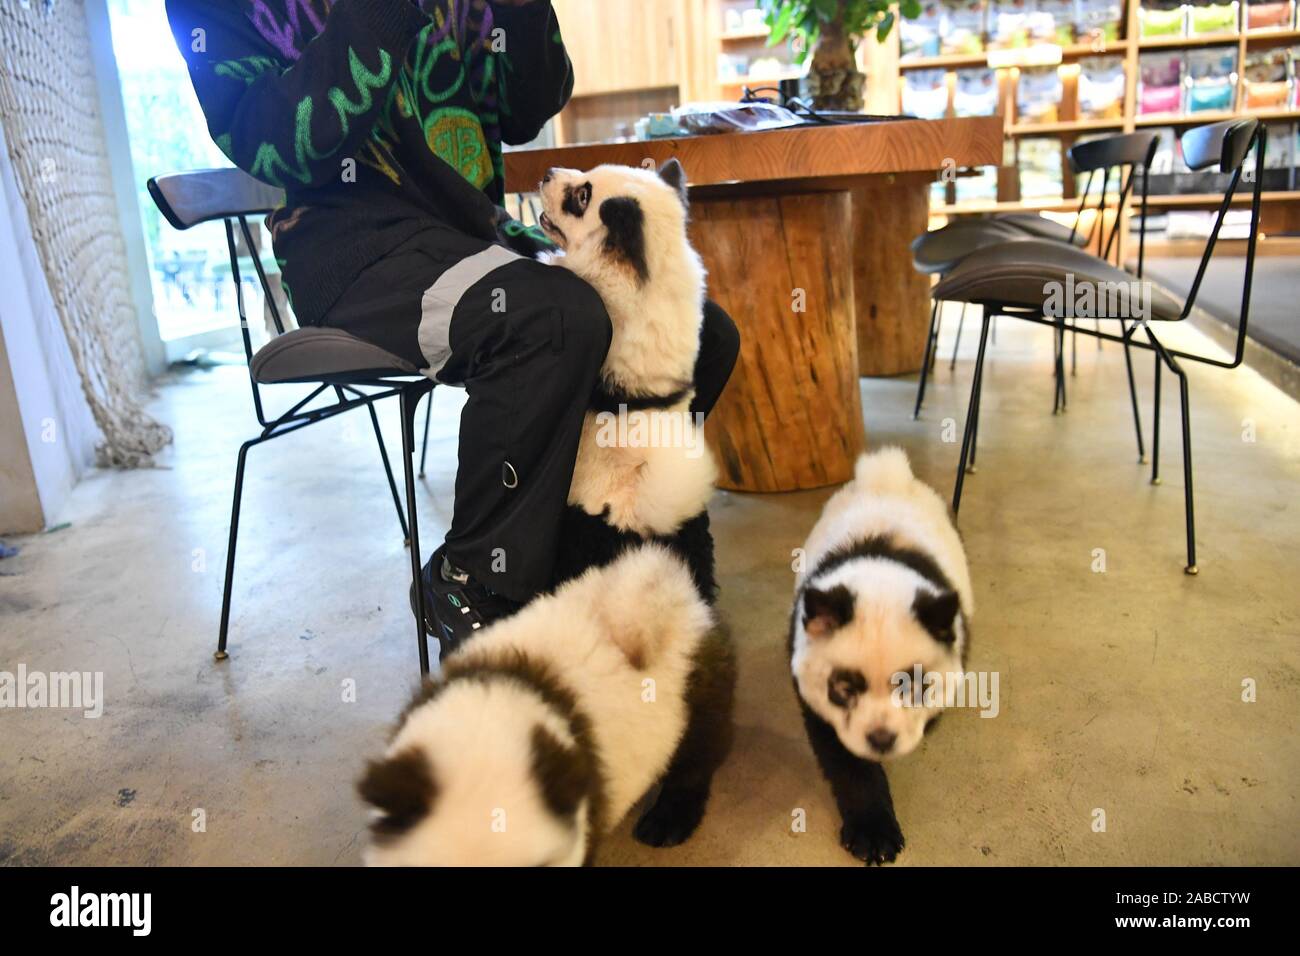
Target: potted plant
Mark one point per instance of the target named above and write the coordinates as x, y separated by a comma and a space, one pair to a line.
832, 30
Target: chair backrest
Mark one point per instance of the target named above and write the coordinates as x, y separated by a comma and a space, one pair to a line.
231, 195
1227, 144
1124, 155
204, 195
1223, 144
1125, 149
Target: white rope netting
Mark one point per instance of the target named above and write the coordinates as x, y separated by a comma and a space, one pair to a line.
49, 107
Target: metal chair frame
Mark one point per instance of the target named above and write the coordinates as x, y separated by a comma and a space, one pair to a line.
1235, 140
349, 393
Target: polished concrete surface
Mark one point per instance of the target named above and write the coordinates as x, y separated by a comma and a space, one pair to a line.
1121, 690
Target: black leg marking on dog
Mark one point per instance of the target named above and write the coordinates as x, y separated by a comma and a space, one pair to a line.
684, 791
587, 542
869, 829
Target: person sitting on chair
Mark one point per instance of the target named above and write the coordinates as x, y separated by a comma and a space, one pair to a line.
383, 121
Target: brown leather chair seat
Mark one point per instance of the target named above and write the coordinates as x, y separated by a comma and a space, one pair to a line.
324, 355
1021, 273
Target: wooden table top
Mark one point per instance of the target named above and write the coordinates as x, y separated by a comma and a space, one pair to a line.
801, 153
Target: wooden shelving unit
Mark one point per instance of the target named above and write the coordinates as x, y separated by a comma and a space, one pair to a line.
1282, 207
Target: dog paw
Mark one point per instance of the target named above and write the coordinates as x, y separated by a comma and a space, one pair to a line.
872, 839
672, 819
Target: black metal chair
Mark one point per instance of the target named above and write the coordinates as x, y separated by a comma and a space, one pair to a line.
1019, 279
942, 250
332, 360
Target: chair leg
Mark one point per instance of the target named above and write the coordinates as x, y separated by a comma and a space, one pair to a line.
975, 431
972, 412
938, 327
1133, 395
424, 448
1074, 348
388, 470
929, 355
1155, 428
1058, 351
956, 344
221, 654
1183, 394
1185, 403
410, 398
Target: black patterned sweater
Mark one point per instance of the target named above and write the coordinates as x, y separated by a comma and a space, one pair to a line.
379, 118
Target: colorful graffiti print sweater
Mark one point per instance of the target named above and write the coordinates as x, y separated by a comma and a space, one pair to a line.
379, 118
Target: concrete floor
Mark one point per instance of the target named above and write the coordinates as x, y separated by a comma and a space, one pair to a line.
1121, 691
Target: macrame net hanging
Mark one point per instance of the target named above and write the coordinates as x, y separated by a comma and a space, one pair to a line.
49, 109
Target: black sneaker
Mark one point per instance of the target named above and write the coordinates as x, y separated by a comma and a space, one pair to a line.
455, 605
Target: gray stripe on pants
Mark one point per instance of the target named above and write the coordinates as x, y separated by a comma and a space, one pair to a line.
441, 299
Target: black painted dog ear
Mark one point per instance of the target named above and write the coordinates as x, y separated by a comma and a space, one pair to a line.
401, 788
563, 774
674, 175
825, 612
625, 233
938, 614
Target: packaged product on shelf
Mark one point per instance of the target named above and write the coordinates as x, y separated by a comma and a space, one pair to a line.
1209, 18
1095, 19
1166, 162
1280, 158
976, 93
982, 186
1038, 159
1274, 15
1101, 87
1211, 78
1009, 23
1162, 18
1038, 95
920, 37
1293, 70
1265, 83
962, 27
1053, 21
925, 93
1160, 83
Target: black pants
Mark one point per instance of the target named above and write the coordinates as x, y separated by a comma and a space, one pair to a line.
527, 342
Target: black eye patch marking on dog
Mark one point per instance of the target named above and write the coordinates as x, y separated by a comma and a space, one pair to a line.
576, 200
563, 774
401, 788
826, 611
625, 233
937, 614
844, 686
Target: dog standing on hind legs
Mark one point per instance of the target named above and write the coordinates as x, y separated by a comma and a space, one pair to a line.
881, 609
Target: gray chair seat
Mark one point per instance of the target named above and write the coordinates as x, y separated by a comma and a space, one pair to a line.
939, 251
1022, 273
324, 355
1041, 227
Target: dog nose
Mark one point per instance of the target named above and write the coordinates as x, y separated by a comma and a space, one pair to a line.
882, 740
550, 174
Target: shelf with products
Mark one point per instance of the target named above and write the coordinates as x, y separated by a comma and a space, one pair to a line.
1051, 100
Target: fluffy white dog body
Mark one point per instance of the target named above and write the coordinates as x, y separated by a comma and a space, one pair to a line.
539, 736
623, 230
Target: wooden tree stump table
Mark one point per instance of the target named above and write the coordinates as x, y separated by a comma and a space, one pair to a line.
806, 234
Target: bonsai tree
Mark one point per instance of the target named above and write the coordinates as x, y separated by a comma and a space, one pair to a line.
831, 30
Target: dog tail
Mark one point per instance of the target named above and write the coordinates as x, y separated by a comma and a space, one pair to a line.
886, 471
647, 602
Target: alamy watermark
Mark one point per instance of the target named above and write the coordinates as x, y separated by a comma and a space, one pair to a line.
1085, 299
56, 690
654, 428
976, 689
